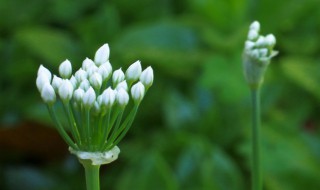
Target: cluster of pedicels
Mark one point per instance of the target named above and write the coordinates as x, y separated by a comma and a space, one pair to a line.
258, 52
94, 101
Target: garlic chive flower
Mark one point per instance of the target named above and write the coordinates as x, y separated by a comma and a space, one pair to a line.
258, 51
96, 103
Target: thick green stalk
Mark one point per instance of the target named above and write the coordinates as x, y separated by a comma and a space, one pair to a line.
92, 175
256, 141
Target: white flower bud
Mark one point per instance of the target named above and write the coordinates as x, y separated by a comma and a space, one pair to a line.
96, 107
122, 97
78, 95
89, 98
93, 69
105, 70
81, 75
261, 42
87, 63
255, 26
44, 71
66, 90
118, 76
74, 81
47, 94
107, 98
254, 53
56, 82
146, 77
137, 92
253, 35
65, 69
134, 71
122, 85
249, 45
42, 79
85, 85
263, 52
270, 40
96, 80
102, 55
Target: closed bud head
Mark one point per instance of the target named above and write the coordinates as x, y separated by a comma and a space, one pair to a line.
137, 92
134, 71
42, 79
96, 80
249, 45
102, 55
255, 26
146, 77
44, 71
122, 85
89, 98
78, 95
85, 85
122, 97
253, 35
105, 70
56, 82
93, 69
87, 63
270, 40
81, 75
47, 94
74, 82
108, 98
65, 69
66, 90
117, 77
261, 42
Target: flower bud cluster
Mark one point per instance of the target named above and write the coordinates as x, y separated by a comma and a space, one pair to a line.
258, 52
88, 85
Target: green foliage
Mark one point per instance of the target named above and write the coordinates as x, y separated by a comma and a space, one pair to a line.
193, 129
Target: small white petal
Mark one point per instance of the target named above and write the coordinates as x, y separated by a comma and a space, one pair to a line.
92, 70
42, 79
47, 93
134, 71
137, 92
146, 77
118, 76
89, 98
66, 90
96, 80
44, 71
122, 97
102, 55
65, 69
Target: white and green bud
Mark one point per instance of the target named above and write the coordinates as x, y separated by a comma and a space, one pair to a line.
42, 79
78, 95
122, 97
85, 85
96, 80
89, 98
105, 70
133, 72
87, 64
81, 75
65, 69
47, 94
117, 77
102, 55
146, 77
122, 85
107, 98
137, 92
56, 82
65, 90
44, 71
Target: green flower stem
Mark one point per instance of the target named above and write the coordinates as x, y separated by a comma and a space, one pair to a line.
92, 175
60, 129
87, 124
72, 123
256, 141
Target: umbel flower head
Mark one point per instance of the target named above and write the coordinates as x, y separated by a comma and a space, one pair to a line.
257, 54
99, 105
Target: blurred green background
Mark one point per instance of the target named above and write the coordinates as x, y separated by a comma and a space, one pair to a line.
193, 128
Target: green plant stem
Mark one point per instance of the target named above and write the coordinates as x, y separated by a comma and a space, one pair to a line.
256, 141
92, 175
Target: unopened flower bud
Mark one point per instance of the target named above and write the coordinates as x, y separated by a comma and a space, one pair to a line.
78, 95
105, 70
117, 77
107, 98
102, 55
87, 63
65, 69
42, 79
253, 35
133, 72
65, 90
93, 69
44, 71
249, 45
261, 42
56, 82
137, 92
122, 97
47, 94
146, 77
122, 85
255, 26
270, 40
96, 80
89, 98
85, 85
81, 75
